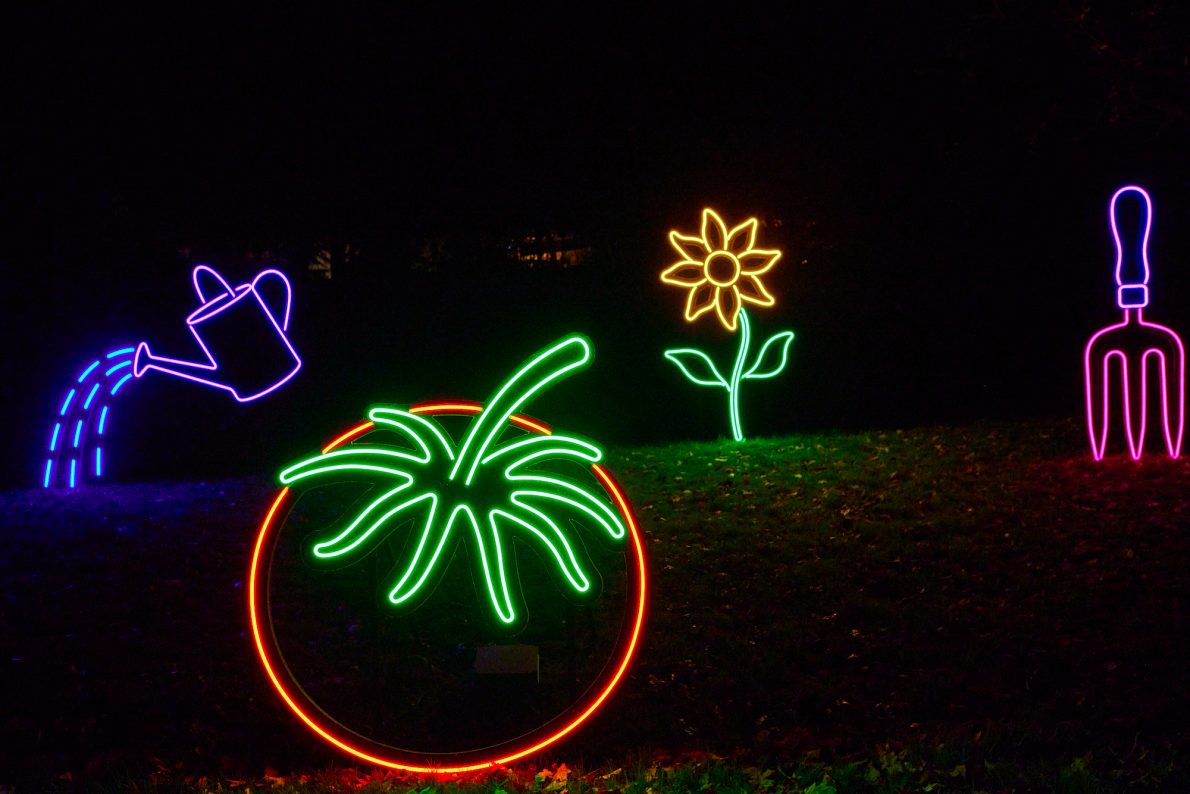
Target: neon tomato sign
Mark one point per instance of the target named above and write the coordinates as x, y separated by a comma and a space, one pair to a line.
574, 567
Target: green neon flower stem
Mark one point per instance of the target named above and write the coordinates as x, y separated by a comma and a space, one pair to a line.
737, 373
769, 361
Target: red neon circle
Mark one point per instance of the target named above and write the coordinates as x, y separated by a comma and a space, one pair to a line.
585, 711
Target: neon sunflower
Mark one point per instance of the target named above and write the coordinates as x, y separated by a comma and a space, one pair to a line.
722, 270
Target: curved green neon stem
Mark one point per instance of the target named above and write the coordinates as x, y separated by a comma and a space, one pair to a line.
571, 353
737, 372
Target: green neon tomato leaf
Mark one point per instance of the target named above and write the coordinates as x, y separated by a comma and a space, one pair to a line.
696, 366
772, 357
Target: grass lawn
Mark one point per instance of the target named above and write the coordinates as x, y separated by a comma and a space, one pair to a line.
941, 609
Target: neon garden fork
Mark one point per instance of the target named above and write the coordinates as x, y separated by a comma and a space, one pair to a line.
1121, 358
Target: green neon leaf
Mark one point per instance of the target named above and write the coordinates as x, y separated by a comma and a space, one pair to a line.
492, 566
533, 448
772, 357
349, 539
363, 460
553, 539
417, 429
569, 497
696, 366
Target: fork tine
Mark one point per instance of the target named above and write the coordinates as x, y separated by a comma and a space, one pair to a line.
1095, 380
1173, 385
1135, 410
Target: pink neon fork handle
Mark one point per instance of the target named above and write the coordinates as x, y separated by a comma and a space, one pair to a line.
206, 296
279, 276
1132, 247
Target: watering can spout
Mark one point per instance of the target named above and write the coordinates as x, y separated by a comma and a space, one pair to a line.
144, 361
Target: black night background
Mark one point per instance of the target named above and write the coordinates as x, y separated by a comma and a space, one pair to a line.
937, 180
936, 175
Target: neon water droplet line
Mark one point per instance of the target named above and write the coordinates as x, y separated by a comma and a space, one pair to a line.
120, 383
81, 414
88, 371
262, 360
91, 396
1134, 349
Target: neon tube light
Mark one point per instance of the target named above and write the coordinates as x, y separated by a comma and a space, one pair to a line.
98, 461
524, 504
312, 716
81, 414
90, 397
721, 268
120, 383
430, 442
1121, 358
266, 359
88, 371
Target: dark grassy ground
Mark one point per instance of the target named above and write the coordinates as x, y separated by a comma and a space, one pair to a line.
942, 609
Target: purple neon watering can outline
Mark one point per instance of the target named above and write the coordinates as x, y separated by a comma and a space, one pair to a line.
246, 308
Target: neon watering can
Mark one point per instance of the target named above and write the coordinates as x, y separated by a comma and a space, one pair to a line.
245, 346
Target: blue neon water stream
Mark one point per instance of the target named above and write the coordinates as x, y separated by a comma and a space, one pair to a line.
75, 453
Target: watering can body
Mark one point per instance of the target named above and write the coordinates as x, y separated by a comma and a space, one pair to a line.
242, 337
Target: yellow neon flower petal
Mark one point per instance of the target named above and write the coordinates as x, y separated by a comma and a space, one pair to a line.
692, 249
757, 261
727, 306
714, 231
752, 291
700, 301
685, 274
741, 239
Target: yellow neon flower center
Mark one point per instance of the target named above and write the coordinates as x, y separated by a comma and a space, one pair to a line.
722, 268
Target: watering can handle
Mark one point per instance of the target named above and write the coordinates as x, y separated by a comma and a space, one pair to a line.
208, 296
288, 294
